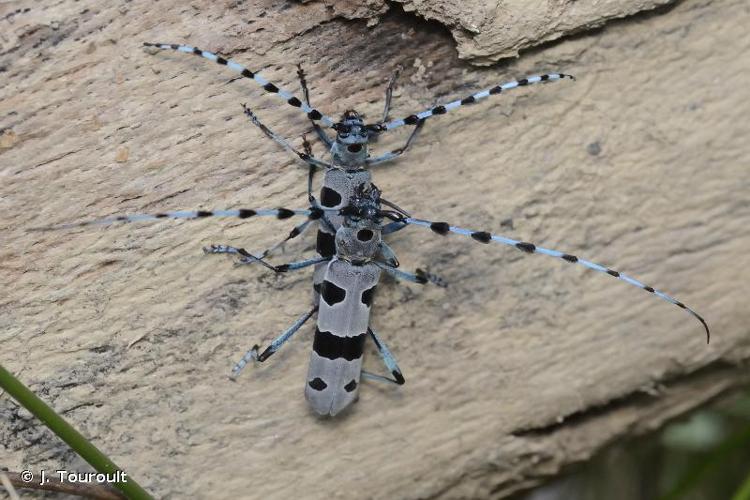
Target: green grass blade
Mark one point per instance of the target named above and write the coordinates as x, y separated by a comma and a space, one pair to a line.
744, 492
67, 433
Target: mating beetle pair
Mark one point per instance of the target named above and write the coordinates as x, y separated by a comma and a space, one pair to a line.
351, 223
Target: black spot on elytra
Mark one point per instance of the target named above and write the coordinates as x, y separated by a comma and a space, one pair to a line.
284, 213
350, 386
270, 87
468, 100
332, 293
367, 296
440, 227
326, 244
526, 247
411, 120
482, 236
246, 213
329, 198
317, 383
328, 345
570, 258
295, 102
365, 235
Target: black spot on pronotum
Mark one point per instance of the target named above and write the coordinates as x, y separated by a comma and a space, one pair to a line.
328, 345
526, 247
354, 148
221, 60
614, 273
349, 210
203, 213
284, 213
332, 293
482, 236
326, 244
411, 120
270, 87
440, 227
329, 198
295, 102
350, 386
317, 383
496, 90
468, 100
439, 110
367, 296
523, 82
365, 235
314, 115
246, 213
648, 289
570, 258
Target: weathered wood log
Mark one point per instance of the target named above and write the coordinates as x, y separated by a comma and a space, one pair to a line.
521, 366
